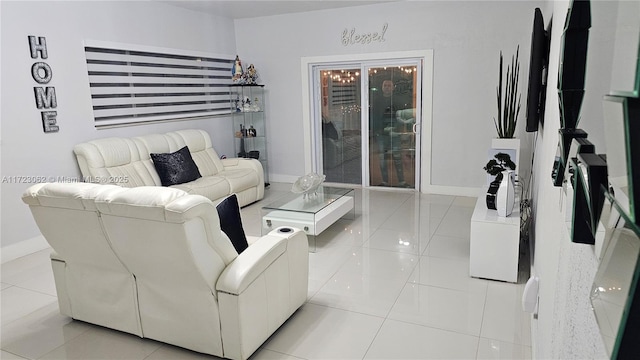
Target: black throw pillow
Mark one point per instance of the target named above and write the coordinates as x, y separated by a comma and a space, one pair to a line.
231, 223
175, 168
329, 130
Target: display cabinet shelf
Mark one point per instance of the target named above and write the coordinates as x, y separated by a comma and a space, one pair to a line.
249, 123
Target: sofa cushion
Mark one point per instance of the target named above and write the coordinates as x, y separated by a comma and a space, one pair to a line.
339, 126
231, 222
116, 161
175, 168
240, 179
212, 187
199, 143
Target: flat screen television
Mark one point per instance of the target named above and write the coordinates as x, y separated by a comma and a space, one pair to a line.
573, 62
537, 73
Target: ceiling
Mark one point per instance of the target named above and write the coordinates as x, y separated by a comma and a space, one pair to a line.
240, 9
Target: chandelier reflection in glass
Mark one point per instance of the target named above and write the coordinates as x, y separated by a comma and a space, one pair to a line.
343, 76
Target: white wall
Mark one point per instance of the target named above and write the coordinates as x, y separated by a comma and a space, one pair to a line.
466, 38
26, 149
566, 327
1, 172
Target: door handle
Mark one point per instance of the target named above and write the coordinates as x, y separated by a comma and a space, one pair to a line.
415, 128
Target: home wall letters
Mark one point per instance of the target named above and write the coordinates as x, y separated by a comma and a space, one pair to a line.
41, 72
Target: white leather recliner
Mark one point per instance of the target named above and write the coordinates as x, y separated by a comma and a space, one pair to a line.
193, 289
93, 285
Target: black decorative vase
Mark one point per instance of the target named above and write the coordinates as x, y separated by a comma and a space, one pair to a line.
491, 194
243, 152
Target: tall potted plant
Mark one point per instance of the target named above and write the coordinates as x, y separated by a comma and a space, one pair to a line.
508, 107
509, 104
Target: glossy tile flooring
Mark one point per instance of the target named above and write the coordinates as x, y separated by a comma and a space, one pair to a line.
391, 284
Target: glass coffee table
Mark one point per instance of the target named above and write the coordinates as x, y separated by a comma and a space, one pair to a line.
312, 213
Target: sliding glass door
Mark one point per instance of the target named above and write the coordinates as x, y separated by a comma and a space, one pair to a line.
392, 125
341, 124
366, 122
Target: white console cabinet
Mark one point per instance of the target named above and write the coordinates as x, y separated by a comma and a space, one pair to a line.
495, 243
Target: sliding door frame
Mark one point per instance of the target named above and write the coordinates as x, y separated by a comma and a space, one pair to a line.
425, 97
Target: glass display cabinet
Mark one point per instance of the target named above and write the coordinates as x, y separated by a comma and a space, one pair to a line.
249, 123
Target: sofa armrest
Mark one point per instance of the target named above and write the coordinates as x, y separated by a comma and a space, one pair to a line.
257, 184
245, 163
250, 264
261, 288
297, 244
242, 163
231, 161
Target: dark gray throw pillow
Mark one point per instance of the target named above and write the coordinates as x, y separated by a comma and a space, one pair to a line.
175, 168
231, 223
329, 130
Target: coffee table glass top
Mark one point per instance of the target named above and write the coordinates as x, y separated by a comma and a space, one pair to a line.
310, 204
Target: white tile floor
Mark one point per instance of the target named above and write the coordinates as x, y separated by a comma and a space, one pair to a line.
391, 284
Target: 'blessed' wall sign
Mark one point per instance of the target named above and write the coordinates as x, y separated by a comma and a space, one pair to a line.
350, 37
41, 73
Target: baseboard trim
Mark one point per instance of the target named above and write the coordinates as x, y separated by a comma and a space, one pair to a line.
431, 189
280, 178
453, 190
22, 248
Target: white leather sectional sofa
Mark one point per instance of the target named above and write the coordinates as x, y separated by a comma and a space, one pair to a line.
153, 262
127, 162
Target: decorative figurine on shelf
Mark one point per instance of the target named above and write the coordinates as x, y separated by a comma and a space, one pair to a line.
243, 134
246, 104
240, 76
237, 72
251, 132
252, 75
255, 106
238, 108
